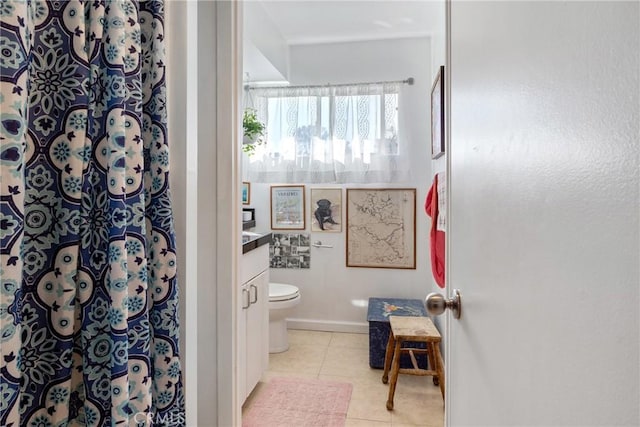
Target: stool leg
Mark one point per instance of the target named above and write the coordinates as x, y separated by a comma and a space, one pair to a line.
439, 365
387, 357
432, 362
395, 368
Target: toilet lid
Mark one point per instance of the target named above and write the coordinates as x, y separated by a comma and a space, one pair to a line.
282, 292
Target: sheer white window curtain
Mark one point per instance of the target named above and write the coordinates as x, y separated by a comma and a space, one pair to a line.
329, 134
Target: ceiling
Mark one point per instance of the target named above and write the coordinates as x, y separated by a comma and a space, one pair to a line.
323, 21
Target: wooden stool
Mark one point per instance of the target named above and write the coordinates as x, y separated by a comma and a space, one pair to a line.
412, 329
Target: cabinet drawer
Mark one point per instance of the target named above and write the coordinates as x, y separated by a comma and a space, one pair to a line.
253, 263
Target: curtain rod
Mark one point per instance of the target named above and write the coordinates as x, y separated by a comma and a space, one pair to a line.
408, 81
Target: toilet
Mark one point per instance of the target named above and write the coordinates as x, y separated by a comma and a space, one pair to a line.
282, 298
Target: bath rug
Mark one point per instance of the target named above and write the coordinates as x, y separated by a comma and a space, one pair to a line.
299, 402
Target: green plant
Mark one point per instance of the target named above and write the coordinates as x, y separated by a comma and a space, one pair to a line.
253, 131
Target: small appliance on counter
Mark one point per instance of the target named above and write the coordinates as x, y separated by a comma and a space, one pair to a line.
248, 218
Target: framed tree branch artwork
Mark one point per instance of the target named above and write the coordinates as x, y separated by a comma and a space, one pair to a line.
381, 227
437, 115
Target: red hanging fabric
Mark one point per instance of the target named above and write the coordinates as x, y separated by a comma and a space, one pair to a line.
437, 237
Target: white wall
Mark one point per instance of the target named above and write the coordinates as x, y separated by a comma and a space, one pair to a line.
365, 61
266, 53
182, 125
202, 135
334, 296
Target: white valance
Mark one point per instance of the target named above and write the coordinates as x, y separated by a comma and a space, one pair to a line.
329, 134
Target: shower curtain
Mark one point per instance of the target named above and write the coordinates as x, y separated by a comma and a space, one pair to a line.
88, 296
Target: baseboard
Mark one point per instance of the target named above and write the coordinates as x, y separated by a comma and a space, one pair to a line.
328, 326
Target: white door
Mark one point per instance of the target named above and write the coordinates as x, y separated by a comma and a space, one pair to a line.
544, 214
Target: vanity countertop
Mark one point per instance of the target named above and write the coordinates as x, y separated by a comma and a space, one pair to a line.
252, 240
248, 224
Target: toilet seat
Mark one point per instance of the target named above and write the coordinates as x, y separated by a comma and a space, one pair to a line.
282, 292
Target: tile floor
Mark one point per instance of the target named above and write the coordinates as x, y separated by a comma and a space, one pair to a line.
345, 357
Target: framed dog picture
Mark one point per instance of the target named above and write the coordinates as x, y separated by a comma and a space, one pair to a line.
326, 210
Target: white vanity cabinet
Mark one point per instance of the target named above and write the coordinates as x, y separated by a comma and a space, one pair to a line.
253, 319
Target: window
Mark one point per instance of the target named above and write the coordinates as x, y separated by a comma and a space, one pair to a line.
327, 134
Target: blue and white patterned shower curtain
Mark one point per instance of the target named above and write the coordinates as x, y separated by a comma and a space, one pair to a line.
88, 297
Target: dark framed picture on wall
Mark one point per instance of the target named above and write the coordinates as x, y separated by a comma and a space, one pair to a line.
437, 115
